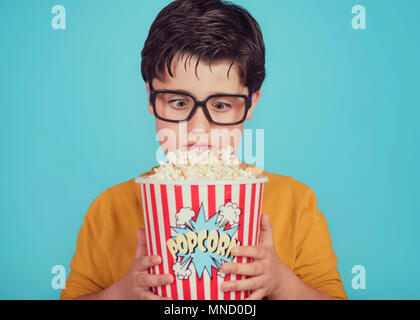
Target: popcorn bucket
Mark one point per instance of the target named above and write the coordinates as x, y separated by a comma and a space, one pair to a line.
193, 225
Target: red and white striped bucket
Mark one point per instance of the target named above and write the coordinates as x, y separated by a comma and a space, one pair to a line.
190, 253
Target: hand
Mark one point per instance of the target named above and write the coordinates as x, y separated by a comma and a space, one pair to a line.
268, 275
136, 283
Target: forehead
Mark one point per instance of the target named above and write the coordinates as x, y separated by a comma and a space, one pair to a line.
201, 79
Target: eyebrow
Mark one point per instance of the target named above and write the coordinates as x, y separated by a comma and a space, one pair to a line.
210, 94
188, 92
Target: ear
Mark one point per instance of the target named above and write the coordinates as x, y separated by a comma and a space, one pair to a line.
148, 99
255, 98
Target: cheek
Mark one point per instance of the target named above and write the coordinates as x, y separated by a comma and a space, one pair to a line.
236, 133
222, 137
170, 135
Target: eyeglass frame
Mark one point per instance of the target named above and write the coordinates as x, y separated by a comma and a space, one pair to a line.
152, 98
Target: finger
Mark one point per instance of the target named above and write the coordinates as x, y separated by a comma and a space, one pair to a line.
141, 249
256, 295
144, 263
246, 269
253, 283
154, 280
255, 252
266, 234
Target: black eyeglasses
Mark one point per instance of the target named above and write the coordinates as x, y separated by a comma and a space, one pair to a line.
219, 109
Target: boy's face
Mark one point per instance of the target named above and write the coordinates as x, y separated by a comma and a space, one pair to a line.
198, 132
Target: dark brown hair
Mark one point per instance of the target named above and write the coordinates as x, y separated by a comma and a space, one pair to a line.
211, 30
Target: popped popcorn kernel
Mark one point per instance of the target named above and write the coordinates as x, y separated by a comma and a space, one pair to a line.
203, 165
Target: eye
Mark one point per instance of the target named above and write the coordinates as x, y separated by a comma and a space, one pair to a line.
221, 106
178, 103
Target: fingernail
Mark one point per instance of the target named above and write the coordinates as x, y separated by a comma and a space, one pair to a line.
235, 250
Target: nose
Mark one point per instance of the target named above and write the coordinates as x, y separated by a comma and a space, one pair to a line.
199, 121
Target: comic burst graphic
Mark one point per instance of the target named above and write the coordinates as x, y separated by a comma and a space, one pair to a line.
203, 243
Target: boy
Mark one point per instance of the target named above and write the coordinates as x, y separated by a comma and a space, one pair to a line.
196, 49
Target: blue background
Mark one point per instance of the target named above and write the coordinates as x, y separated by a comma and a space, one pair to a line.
74, 122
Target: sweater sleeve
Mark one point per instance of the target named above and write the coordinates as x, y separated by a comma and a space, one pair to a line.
90, 271
316, 262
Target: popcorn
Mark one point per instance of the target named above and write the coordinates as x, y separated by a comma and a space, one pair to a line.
203, 165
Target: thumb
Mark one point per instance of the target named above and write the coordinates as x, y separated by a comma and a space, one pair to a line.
141, 249
266, 234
